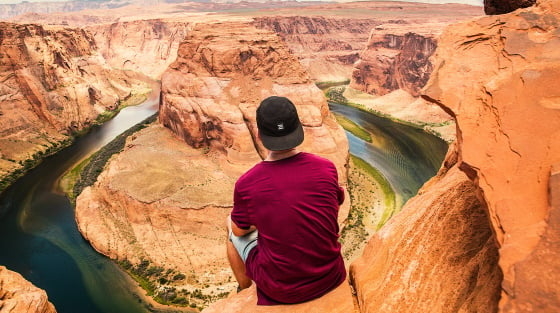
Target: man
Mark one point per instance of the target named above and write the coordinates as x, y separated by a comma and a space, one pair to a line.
283, 230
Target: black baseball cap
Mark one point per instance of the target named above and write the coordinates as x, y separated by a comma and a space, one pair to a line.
278, 124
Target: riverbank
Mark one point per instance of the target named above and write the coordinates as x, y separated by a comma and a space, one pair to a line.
373, 200
400, 107
11, 171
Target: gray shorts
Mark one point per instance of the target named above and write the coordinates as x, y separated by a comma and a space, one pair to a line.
244, 244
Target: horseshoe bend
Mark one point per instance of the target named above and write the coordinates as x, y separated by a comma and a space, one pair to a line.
481, 235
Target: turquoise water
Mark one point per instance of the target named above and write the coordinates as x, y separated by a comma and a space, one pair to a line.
40, 240
405, 155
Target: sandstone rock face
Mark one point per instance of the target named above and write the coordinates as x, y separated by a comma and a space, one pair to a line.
146, 46
17, 295
222, 72
437, 255
493, 7
392, 61
326, 46
338, 300
498, 75
398, 50
165, 203
52, 84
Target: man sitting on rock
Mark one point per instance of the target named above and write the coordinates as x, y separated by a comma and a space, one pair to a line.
283, 229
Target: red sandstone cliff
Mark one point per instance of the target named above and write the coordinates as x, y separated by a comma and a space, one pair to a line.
397, 53
146, 46
52, 84
394, 61
326, 46
17, 295
499, 76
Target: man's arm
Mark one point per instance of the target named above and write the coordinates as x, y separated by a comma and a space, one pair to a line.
237, 231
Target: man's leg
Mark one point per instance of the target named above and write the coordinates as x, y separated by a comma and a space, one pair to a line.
236, 262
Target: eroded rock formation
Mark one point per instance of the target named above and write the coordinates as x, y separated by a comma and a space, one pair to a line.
52, 84
17, 295
326, 46
394, 61
222, 72
498, 75
438, 255
146, 46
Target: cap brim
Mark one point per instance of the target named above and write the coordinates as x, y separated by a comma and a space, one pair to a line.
289, 141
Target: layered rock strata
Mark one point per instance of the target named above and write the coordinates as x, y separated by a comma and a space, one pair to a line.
498, 75
438, 255
205, 139
394, 61
52, 84
146, 46
326, 46
17, 295
222, 72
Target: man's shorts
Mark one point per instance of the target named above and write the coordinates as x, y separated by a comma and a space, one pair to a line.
244, 244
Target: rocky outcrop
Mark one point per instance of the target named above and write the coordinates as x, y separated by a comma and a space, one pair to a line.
397, 53
493, 7
52, 84
394, 61
17, 295
146, 46
498, 75
438, 254
222, 72
338, 300
326, 46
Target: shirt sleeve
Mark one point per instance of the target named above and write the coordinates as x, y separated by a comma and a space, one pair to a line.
239, 214
340, 195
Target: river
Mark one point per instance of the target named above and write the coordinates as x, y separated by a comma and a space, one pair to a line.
40, 240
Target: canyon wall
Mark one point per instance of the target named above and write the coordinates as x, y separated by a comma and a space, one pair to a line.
165, 197
498, 75
17, 295
53, 83
146, 46
222, 72
394, 60
326, 46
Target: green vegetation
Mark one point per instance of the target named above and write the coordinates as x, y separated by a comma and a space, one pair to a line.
367, 188
336, 94
352, 127
328, 84
390, 197
133, 98
159, 284
32, 162
92, 167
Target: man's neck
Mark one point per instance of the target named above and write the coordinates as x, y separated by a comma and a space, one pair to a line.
282, 154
